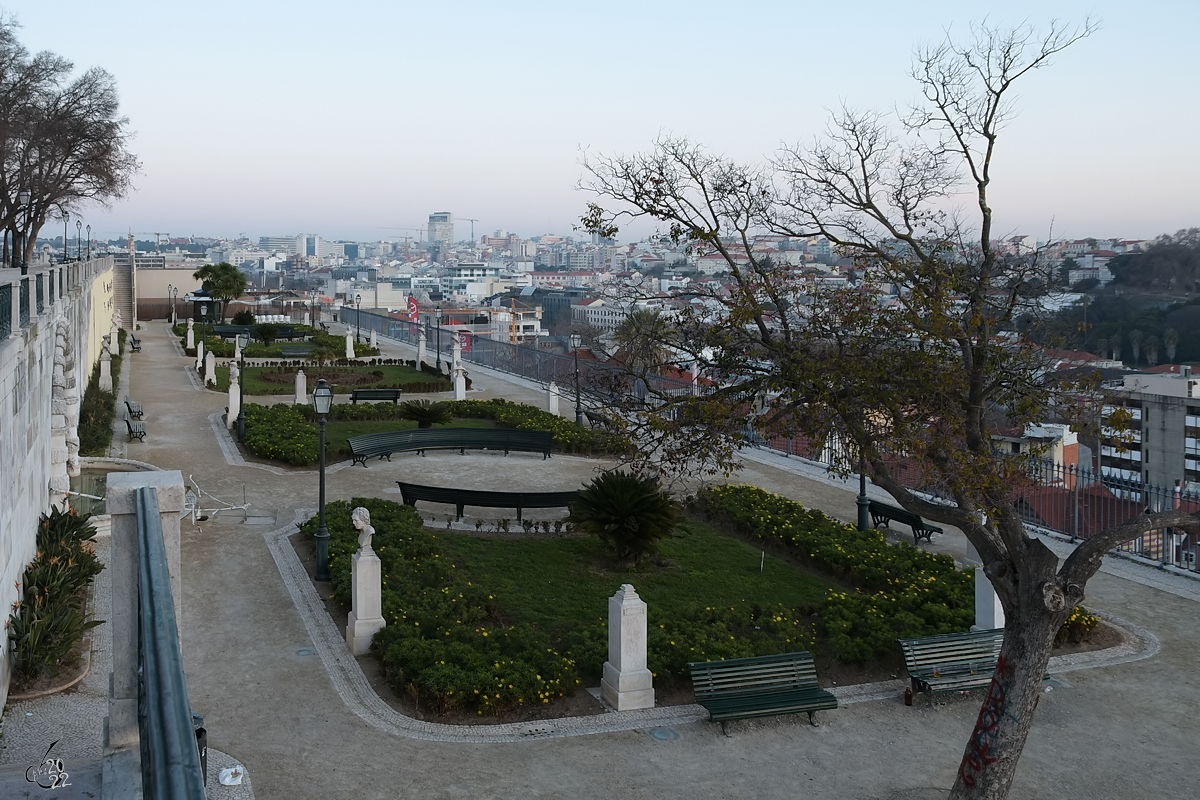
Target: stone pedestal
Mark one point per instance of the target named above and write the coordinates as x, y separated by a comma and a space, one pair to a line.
191, 336
552, 398
301, 388
199, 355
460, 374
349, 344
988, 611
627, 684
420, 349
210, 369
366, 616
373, 341
106, 371
237, 348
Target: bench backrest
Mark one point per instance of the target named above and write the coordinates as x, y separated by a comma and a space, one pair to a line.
761, 673
482, 497
895, 512
981, 647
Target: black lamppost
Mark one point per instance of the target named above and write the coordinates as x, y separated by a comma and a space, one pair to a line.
322, 402
89, 231
864, 502
172, 293
23, 196
357, 317
203, 320
79, 240
243, 339
437, 317
66, 217
577, 340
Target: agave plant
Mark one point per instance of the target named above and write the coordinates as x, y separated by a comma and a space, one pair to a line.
425, 413
628, 513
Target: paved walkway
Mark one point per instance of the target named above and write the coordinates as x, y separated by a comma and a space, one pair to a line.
280, 695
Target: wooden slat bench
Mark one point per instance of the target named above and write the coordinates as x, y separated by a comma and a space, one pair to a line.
952, 662
137, 430
295, 350
460, 498
882, 514
375, 394
763, 686
422, 439
135, 409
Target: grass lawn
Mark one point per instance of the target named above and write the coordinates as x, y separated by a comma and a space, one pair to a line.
559, 583
336, 433
393, 375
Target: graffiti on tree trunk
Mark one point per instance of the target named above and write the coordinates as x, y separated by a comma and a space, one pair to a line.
987, 726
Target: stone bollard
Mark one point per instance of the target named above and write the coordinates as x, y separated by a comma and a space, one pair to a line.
301, 388
366, 590
235, 396
552, 398
199, 355
627, 684
421, 350
210, 369
349, 344
191, 336
237, 348
373, 341
988, 611
460, 374
106, 371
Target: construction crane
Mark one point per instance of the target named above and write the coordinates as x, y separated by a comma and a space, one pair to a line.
472, 221
157, 238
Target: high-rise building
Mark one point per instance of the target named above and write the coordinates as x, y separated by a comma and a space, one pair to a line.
441, 228
1162, 442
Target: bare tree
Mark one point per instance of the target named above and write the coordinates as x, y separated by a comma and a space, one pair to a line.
922, 358
61, 139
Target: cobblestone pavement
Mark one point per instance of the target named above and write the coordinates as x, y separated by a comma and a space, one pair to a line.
280, 695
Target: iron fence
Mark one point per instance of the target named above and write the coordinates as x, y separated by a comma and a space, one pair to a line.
5, 310
23, 311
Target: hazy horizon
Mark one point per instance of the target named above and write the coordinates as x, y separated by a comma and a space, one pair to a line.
279, 118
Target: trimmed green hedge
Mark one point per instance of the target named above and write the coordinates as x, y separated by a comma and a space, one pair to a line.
280, 432
901, 590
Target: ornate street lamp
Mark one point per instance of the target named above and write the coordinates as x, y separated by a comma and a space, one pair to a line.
577, 340
66, 215
357, 317
23, 196
79, 240
863, 502
322, 402
243, 340
89, 231
437, 316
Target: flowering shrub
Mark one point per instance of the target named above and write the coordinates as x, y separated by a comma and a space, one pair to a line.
1078, 627
902, 591
568, 436
280, 433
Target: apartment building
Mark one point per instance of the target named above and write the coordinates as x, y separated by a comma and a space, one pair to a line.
1161, 444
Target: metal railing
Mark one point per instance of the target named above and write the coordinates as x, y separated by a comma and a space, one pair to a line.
23, 311
6, 318
170, 759
39, 293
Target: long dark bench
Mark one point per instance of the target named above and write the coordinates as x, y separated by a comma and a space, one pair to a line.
952, 662
460, 498
762, 686
882, 514
282, 331
374, 394
422, 439
295, 350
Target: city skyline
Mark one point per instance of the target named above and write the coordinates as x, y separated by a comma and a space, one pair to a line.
275, 119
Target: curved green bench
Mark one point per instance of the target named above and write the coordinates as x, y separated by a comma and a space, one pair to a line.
460, 498
422, 439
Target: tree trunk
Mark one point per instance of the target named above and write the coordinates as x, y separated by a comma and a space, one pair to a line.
989, 762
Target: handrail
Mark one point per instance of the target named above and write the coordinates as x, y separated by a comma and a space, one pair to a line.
170, 760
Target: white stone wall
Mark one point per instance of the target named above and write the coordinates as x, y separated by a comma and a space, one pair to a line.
26, 373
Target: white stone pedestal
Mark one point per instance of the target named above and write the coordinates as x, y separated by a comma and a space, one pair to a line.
627, 684
191, 336
106, 384
552, 398
988, 611
420, 349
210, 369
366, 616
349, 344
372, 343
199, 354
301, 388
460, 374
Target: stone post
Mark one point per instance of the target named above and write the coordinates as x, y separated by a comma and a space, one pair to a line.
121, 727
552, 398
988, 611
237, 348
199, 355
420, 349
210, 369
235, 396
106, 367
373, 342
366, 591
460, 374
301, 388
191, 336
349, 344
627, 684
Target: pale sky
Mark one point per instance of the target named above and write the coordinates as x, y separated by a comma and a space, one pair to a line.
345, 119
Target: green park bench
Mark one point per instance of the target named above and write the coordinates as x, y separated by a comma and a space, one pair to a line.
422, 439
952, 662
374, 394
762, 686
295, 350
882, 514
460, 498
137, 429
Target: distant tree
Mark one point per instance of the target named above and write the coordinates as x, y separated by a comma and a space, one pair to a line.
1102, 348
1171, 341
1152, 350
1116, 346
1135, 341
642, 337
222, 281
61, 139
243, 318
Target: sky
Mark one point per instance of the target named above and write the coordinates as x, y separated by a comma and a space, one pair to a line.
356, 120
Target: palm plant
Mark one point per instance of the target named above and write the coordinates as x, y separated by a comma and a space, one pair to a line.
644, 337
222, 282
628, 513
425, 413
1171, 341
